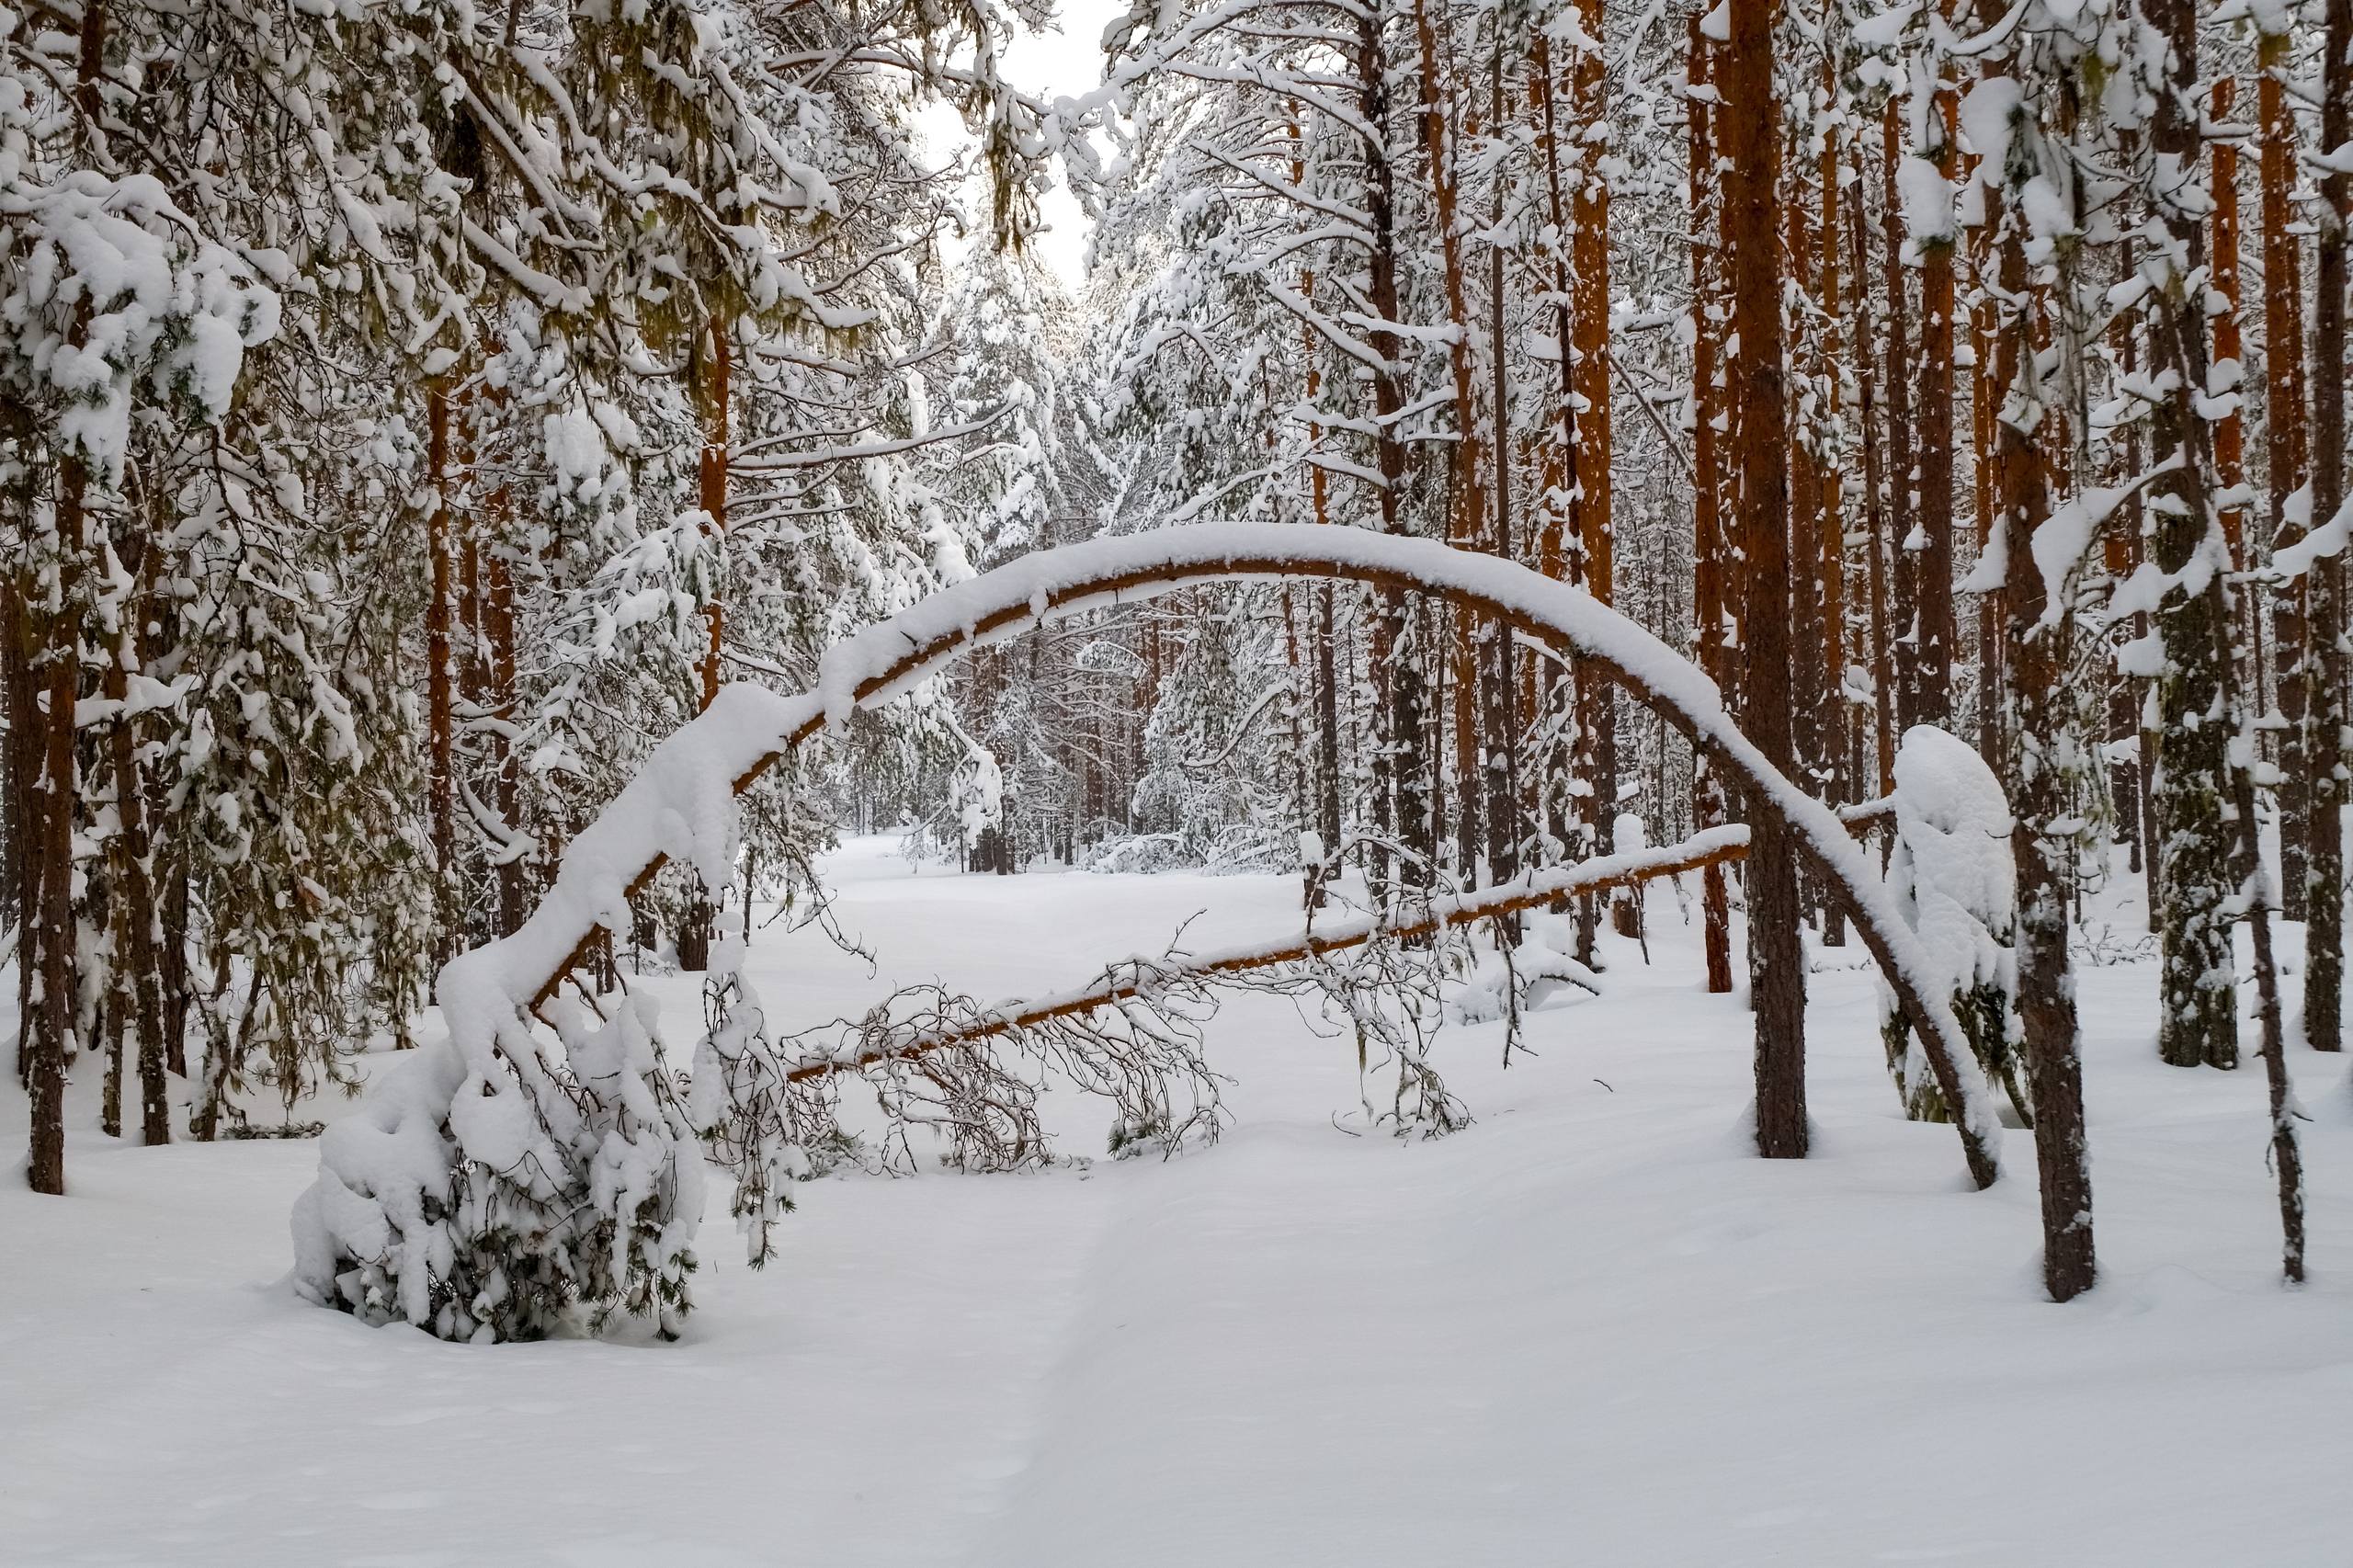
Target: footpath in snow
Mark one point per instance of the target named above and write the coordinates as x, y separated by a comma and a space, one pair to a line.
1590, 1329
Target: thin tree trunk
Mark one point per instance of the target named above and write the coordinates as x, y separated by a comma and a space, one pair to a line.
1499, 718
1707, 543
1809, 654
1556, 556
498, 623
1902, 673
138, 989
26, 748
1327, 696
1984, 409
1836, 752
440, 704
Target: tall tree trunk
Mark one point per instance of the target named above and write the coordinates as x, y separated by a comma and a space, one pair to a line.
2199, 1022
1467, 520
1876, 499
2325, 715
712, 395
1931, 691
1499, 718
139, 993
1837, 750
2041, 849
1590, 499
2134, 536
1752, 146
1984, 409
498, 623
499, 698
441, 746
2284, 451
1903, 448
1557, 556
48, 1032
1809, 653
1327, 696
710, 367
27, 750
2224, 375
1403, 757
1707, 543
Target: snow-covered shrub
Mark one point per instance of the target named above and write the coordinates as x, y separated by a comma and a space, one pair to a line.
1504, 981
507, 1174
1956, 885
485, 1206
749, 1113
1232, 850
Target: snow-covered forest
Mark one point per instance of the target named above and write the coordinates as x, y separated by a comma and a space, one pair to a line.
1600, 748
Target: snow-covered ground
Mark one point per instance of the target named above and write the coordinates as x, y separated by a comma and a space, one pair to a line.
1591, 1329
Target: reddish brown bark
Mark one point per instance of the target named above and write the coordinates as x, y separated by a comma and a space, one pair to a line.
711, 394
1590, 498
2230, 431
2325, 694
1752, 148
1929, 692
1122, 983
1760, 780
1985, 408
2284, 446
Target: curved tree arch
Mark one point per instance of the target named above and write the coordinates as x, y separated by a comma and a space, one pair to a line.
676, 806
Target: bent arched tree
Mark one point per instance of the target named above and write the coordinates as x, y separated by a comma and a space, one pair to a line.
454, 1201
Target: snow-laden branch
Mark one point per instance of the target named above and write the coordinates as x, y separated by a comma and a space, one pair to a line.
750, 728
454, 1155
860, 451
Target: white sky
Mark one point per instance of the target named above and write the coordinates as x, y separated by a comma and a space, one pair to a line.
1051, 65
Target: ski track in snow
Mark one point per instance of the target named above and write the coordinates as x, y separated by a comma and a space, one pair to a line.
1592, 1328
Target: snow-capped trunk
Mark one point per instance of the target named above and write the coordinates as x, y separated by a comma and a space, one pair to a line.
2195, 833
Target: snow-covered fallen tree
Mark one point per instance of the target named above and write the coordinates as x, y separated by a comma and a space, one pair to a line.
507, 1172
